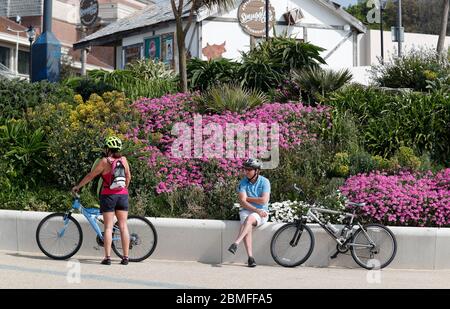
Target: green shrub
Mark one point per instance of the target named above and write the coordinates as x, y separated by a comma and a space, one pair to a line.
287, 91
22, 152
407, 159
382, 163
144, 78
16, 96
86, 86
389, 121
308, 165
317, 82
143, 198
40, 198
192, 202
148, 69
344, 134
204, 74
75, 134
362, 162
292, 54
340, 165
260, 71
412, 70
230, 97
265, 66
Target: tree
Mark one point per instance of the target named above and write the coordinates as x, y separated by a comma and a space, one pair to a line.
443, 33
178, 12
418, 16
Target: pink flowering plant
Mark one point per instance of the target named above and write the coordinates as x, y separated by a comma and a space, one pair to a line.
297, 124
407, 199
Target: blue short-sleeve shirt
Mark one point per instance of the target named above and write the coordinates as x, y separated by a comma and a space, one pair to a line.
262, 185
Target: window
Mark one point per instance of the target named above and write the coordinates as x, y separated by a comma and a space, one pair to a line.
131, 53
4, 56
24, 62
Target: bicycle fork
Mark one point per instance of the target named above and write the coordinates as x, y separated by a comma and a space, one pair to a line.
66, 222
298, 232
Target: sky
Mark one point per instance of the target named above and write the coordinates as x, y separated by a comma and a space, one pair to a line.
345, 2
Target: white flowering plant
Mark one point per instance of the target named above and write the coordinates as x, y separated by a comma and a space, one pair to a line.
287, 211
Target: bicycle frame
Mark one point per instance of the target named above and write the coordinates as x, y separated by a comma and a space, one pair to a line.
91, 215
311, 215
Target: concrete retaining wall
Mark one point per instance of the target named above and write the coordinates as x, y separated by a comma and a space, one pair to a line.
207, 241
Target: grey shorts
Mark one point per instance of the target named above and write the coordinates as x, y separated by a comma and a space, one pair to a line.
113, 202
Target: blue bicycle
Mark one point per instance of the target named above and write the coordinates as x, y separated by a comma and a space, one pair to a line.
59, 235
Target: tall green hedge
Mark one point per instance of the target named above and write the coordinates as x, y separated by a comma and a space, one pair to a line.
16, 96
388, 120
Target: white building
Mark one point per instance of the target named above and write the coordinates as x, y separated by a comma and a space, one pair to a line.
370, 45
151, 32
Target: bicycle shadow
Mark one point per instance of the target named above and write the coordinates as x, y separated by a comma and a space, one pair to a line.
82, 260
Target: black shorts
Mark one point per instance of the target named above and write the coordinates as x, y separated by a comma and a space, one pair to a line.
113, 202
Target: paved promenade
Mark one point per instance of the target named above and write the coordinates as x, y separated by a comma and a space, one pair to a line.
29, 270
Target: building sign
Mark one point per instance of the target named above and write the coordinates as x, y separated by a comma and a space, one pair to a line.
167, 49
152, 48
131, 53
88, 12
293, 16
252, 17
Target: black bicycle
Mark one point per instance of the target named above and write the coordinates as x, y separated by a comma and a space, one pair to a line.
372, 245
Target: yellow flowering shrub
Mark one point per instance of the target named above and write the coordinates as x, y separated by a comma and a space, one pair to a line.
76, 132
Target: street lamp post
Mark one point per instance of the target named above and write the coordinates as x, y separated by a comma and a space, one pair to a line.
31, 33
267, 20
382, 7
399, 26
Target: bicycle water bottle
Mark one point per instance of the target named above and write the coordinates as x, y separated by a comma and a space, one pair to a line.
344, 233
332, 229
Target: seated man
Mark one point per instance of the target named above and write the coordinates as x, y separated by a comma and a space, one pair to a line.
254, 194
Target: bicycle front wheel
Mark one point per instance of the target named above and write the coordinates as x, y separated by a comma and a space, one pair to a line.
292, 246
374, 247
59, 236
143, 239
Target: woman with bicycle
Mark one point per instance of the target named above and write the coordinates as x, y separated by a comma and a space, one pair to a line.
116, 176
254, 194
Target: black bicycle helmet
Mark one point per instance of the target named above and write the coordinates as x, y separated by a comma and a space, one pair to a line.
253, 163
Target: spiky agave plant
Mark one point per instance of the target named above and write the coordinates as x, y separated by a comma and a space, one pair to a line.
230, 97
318, 82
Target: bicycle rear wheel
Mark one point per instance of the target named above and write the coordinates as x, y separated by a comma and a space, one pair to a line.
143, 239
379, 255
59, 236
291, 246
